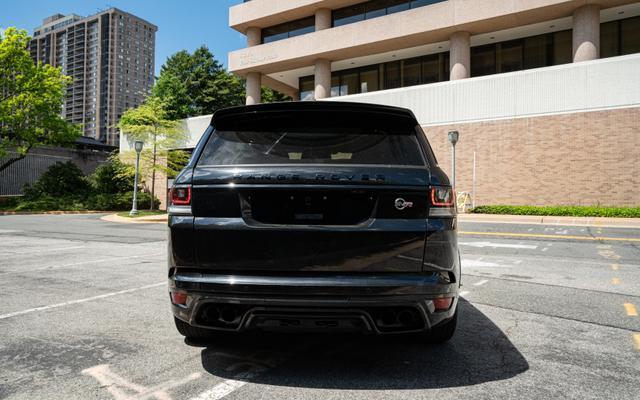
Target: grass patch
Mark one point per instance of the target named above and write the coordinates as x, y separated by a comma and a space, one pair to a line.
140, 214
562, 211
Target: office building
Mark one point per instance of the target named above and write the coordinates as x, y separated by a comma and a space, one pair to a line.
544, 93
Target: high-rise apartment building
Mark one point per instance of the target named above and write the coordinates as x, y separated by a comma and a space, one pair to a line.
110, 57
545, 93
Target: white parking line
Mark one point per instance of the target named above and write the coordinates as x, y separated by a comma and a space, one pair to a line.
482, 282
499, 245
22, 251
464, 293
225, 388
52, 267
68, 303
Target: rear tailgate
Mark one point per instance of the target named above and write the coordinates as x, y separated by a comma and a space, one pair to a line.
303, 218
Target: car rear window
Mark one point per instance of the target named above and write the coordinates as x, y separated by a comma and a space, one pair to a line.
312, 146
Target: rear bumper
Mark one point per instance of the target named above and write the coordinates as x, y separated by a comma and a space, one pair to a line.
379, 304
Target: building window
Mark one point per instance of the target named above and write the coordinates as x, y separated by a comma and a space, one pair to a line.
414, 71
516, 55
374, 9
289, 29
618, 38
306, 88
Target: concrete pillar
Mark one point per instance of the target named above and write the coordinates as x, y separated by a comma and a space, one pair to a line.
586, 33
322, 79
254, 82
254, 36
323, 19
460, 56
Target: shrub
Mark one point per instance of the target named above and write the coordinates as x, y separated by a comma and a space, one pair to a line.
556, 211
49, 203
63, 187
113, 177
60, 180
119, 201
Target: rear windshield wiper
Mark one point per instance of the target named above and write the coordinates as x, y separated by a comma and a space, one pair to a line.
275, 144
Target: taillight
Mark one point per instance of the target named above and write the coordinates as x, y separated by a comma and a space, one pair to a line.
179, 298
443, 202
443, 303
181, 195
442, 196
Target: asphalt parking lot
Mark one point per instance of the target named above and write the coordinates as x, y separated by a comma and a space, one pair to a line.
548, 312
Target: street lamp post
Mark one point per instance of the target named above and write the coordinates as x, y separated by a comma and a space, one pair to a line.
453, 138
134, 208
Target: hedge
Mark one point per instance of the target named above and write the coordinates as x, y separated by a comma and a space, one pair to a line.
560, 211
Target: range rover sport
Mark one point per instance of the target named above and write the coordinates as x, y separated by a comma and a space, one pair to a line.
314, 216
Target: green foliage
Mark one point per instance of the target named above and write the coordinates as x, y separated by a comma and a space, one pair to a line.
271, 96
31, 98
97, 202
61, 179
150, 123
119, 201
197, 84
63, 187
113, 177
572, 211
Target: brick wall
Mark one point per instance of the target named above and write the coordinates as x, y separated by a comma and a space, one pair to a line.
583, 158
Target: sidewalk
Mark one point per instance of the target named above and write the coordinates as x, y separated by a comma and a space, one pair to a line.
149, 219
633, 223
543, 220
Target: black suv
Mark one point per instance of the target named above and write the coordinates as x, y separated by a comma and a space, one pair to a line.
314, 215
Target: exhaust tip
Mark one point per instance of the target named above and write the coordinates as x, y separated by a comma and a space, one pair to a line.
406, 318
388, 317
228, 314
211, 314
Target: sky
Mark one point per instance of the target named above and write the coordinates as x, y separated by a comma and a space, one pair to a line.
185, 24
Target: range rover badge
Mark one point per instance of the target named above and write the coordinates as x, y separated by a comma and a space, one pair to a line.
401, 204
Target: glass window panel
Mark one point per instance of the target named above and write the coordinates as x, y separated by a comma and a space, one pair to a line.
411, 72
509, 56
335, 85
535, 52
445, 66
483, 60
431, 69
274, 33
349, 83
395, 6
376, 8
609, 39
562, 47
392, 75
348, 15
420, 3
630, 36
302, 26
369, 80
306, 88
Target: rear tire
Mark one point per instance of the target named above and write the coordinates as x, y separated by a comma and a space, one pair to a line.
443, 332
192, 332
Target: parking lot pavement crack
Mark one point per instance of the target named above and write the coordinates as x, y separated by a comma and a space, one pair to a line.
556, 317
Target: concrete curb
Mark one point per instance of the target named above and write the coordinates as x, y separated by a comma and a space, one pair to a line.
51, 212
600, 222
150, 219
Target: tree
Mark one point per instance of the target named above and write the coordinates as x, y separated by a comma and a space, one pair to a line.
197, 84
150, 123
31, 99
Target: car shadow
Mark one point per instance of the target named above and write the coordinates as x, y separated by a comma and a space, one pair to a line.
480, 352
